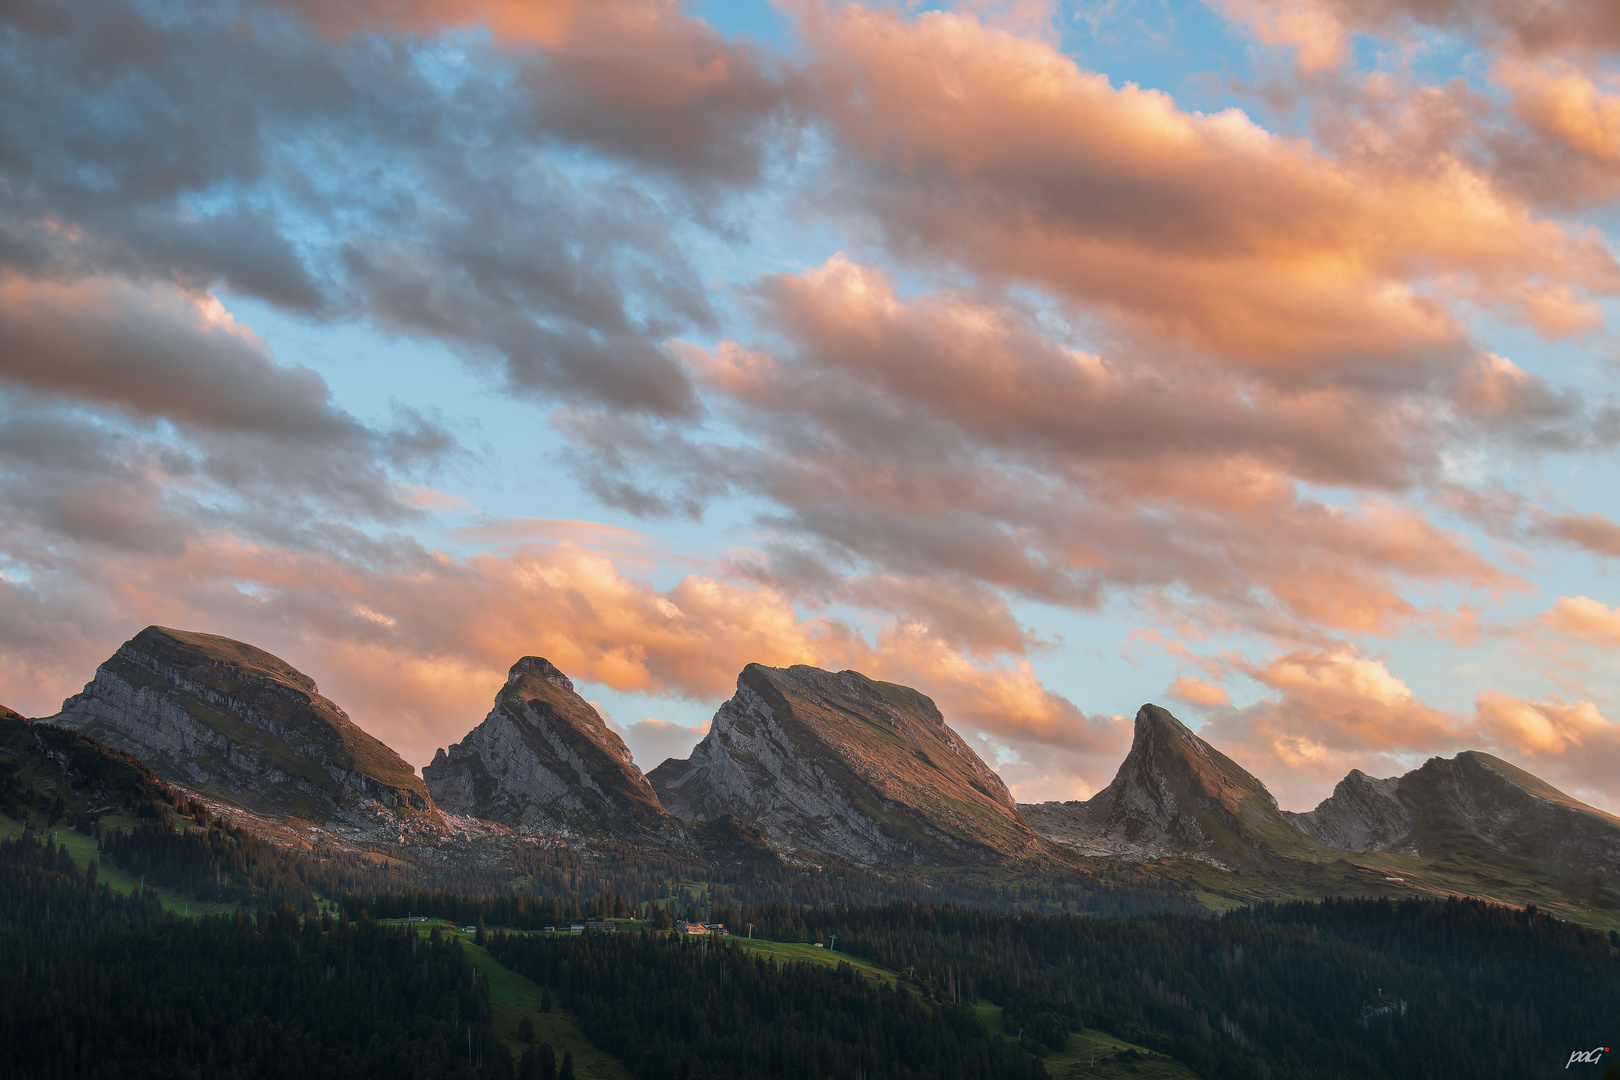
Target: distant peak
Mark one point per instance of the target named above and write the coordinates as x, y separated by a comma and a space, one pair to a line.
540, 668
1151, 717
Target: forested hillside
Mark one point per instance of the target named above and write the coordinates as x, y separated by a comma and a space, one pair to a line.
1348, 989
103, 985
702, 1010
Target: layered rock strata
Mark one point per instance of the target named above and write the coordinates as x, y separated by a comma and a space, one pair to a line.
543, 760
1175, 795
1466, 806
836, 763
235, 722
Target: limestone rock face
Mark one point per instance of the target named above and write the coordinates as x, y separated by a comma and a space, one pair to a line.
235, 722
1473, 806
1362, 814
543, 760
1175, 795
836, 763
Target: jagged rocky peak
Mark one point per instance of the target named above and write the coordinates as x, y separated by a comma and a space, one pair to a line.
1363, 814
840, 764
1175, 795
1472, 806
544, 760
234, 721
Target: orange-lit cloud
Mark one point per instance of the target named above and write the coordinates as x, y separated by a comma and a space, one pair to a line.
1584, 619
1319, 30
1196, 691
415, 650
943, 439
1209, 232
1337, 711
640, 78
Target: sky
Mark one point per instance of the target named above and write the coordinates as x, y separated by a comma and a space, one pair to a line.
1256, 358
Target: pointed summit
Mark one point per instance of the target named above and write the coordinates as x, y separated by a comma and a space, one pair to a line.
1175, 795
544, 760
234, 721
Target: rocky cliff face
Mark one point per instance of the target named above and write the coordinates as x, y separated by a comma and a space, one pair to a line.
1470, 807
235, 722
543, 760
1175, 795
1362, 814
844, 765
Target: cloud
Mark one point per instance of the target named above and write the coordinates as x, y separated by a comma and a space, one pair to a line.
413, 642
1201, 232
154, 352
1196, 691
133, 414
1319, 29
639, 79
948, 445
1584, 619
199, 147
652, 741
1340, 710
1592, 532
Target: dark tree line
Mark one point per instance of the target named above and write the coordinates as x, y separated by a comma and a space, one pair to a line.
1336, 989
102, 985
684, 1009
208, 861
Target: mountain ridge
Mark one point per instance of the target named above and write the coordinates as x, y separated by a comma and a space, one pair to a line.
232, 720
1471, 809
841, 764
543, 759
1174, 795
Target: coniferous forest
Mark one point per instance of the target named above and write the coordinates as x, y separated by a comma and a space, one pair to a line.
108, 985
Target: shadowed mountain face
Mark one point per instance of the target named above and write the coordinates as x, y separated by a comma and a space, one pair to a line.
1475, 808
1175, 795
235, 722
66, 775
844, 765
543, 760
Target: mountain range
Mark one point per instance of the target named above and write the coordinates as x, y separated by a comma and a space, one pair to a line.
809, 766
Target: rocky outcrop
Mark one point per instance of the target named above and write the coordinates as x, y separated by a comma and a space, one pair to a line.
235, 722
1175, 795
1362, 814
544, 761
844, 765
1470, 807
